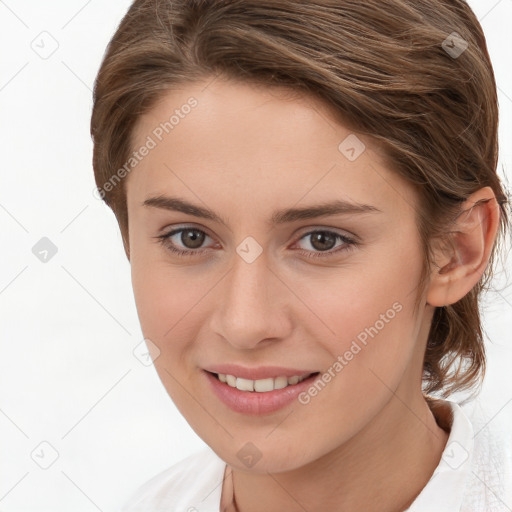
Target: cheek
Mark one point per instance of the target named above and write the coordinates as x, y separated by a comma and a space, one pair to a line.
370, 314
370, 353
161, 293
165, 306
164, 300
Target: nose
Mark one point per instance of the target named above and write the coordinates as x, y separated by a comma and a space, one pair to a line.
252, 306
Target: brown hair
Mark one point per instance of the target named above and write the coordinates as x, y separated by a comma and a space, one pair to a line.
387, 68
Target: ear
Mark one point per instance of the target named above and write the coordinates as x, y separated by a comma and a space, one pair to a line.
460, 264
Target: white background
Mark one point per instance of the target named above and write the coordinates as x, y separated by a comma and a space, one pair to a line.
68, 327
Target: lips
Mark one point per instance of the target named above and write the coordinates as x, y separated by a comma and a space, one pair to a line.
241, 396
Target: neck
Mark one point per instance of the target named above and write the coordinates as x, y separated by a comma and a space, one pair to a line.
365, 473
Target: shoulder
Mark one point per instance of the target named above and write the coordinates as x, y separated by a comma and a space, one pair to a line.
190, 485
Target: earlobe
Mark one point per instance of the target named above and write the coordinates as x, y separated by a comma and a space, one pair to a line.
462, 262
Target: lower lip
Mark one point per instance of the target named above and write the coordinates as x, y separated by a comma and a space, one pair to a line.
253, 402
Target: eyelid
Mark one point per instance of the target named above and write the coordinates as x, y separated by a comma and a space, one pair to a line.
177, 227
342, 232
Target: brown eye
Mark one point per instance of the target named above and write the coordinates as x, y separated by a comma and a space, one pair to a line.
184, 241
323, 243
323, 240
192, 238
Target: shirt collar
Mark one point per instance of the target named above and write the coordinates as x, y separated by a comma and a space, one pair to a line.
445, 490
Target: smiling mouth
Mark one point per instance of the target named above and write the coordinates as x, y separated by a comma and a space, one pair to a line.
261, 385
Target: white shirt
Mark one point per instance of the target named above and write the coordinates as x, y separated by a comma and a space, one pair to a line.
474, 475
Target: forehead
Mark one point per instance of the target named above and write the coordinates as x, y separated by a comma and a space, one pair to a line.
252, 143
220, 107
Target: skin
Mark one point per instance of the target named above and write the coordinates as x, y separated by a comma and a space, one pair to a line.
368, 440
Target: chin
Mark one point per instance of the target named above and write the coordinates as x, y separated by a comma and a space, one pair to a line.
263, 457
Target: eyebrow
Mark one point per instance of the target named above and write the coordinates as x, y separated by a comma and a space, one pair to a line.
283, 216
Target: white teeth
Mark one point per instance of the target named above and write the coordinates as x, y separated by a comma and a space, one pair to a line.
261, 385
244, 384
280, 383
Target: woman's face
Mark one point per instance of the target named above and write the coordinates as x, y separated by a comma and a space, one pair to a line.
268, 279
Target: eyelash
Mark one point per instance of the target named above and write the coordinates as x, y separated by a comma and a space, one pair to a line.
349, 243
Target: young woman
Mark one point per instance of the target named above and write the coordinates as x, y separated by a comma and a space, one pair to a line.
308, 198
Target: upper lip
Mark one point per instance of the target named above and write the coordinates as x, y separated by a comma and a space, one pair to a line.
257, 373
